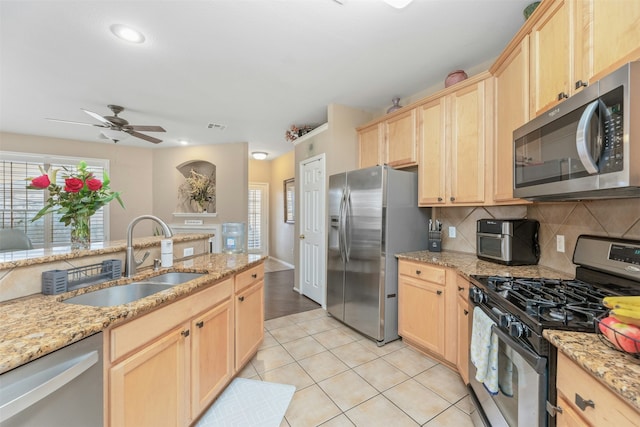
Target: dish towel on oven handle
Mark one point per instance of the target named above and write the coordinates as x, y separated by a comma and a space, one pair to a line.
484, 350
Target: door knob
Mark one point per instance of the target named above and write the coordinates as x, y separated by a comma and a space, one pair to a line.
302, 237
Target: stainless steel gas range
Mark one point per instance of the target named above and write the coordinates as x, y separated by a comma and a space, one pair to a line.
520, 309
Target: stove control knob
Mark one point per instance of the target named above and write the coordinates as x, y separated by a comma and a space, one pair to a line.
505, 320
516, 329
477, 295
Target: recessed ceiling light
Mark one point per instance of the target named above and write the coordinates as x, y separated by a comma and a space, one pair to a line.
126, 33
259, 155
183, 142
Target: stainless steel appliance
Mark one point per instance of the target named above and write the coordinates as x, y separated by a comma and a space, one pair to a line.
508, 241
587, 147
523, 307
373, 214
60, 389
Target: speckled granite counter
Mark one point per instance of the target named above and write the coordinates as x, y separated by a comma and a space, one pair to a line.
33, 326
618, 371
469, 264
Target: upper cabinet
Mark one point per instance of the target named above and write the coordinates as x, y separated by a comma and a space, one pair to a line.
392, 141
455, 133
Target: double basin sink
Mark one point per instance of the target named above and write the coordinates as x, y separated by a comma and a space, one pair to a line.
124, 294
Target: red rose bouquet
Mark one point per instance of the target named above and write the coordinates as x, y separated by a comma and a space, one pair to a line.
81, 196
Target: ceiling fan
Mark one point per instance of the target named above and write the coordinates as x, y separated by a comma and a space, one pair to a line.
114, 124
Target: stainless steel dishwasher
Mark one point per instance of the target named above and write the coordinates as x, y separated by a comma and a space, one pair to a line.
63, 388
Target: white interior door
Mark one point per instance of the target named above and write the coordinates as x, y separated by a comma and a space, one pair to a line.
312, 234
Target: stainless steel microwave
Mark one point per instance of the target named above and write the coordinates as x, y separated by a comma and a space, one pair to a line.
587, 147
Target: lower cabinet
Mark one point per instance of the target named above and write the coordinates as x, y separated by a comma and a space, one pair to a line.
167, 367
584, 401
463, 315
426, 309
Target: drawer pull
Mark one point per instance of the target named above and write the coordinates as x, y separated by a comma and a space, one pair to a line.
418, 271
185, 333
562, 96
582, 404
241, 299
439, 292
254, 276
466, 312
200, 324
460, 288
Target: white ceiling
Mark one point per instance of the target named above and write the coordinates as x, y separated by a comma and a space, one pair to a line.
256, 66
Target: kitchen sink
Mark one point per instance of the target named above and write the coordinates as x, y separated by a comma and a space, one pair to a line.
124, 294
117, 295
174, 278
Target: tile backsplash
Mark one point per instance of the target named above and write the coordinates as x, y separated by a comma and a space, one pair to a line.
613, 218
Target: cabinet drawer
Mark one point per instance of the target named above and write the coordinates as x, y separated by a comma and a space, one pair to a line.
246, 278
142, 330
422, 271
462, 286
574, 384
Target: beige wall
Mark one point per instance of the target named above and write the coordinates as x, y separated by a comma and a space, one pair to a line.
281, 234
130, 170
613, 218
148, 178
259, 170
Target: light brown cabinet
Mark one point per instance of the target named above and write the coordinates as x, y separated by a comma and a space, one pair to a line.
427, 310
371, 146
167, 366
401, 142
455, 135
584, 401
463, 316
249, 314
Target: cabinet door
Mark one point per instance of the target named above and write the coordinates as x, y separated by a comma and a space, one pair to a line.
468, 144
401, 140
432, 165
211, 355
614, 34
249, 314
551, 57
462, 361
370, 146
568, 417
512, 111
421, 308
148, 388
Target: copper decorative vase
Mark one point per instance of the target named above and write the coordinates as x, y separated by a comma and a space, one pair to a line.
455, 77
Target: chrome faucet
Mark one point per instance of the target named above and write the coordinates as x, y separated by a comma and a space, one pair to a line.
131, 263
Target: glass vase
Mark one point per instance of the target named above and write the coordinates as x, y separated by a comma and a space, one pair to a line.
81, 232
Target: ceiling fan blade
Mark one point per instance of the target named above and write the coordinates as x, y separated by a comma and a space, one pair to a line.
143, 128
77, 123
98, 117
143, 136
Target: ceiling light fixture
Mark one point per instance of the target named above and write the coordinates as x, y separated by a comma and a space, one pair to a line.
126, 33
183, 142
259, 155
398, 4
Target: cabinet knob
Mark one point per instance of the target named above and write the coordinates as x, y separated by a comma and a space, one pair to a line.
453, 199
241, 299
200, 324
580, 84
582, 403
562, 96
254, 276
418, 272
466, 312
185, 333
439, 292
460, 288
439, 199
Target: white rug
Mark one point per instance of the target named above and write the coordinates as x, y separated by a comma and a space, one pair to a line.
247, 403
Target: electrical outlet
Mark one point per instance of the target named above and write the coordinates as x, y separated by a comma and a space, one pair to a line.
452, 232
560, 243
187, 252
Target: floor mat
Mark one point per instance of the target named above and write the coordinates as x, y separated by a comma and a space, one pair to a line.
249, 403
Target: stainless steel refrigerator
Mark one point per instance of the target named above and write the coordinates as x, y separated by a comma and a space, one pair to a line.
373, 214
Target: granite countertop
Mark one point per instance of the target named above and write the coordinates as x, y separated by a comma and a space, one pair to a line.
33, 326
617, 370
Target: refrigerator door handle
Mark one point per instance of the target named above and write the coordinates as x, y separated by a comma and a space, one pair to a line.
347, 225
341, 242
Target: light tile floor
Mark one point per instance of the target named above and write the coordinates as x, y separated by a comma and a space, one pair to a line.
345, 379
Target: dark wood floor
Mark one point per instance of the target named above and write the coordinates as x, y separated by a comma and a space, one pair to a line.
279, 297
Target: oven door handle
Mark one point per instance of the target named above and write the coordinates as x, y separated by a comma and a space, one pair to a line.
538, 363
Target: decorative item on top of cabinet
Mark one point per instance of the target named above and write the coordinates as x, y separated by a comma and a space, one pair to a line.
396, 105
529, 9
455, 77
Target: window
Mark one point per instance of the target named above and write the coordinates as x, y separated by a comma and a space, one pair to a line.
258, 208
19, 204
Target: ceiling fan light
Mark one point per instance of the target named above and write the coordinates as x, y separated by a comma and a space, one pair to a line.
398, 4
259, 155
126, 33
114, 135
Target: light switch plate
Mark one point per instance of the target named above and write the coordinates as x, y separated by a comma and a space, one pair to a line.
187, 252
452, 232
560, 243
